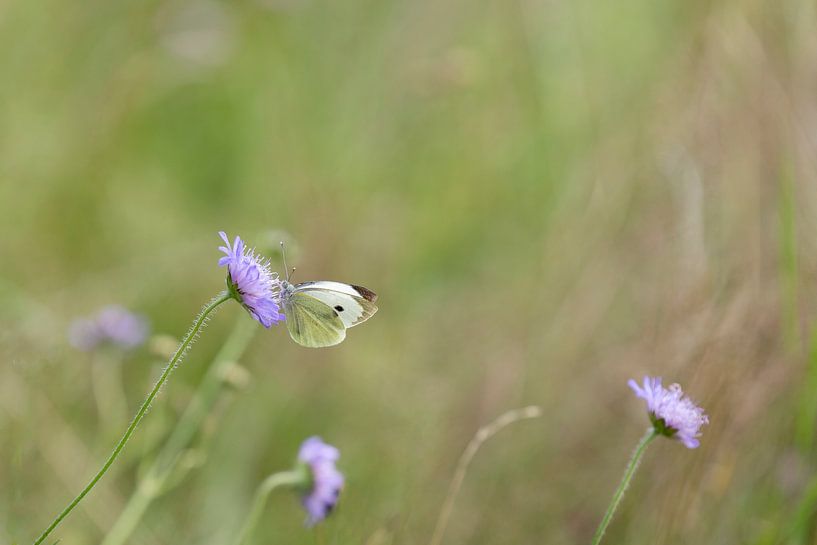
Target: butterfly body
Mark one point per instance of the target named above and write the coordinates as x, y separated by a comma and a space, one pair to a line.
319, 313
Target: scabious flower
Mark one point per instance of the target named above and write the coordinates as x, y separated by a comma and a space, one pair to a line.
113, 325
672, 415
251, 282
326, 483
671, 412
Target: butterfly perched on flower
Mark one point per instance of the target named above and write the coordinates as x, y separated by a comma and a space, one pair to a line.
319, 313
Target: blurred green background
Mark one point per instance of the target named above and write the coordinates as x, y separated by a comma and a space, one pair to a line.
549, 197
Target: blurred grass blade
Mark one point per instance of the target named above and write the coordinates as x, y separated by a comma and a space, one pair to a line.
482, 435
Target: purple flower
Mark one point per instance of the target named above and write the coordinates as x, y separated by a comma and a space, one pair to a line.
672, 413
327, 481
112, 325
251, 282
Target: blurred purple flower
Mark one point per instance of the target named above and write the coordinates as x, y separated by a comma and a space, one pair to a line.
251, 282
327, 481
672, 413
112, 325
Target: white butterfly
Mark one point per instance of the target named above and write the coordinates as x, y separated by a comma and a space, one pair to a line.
318, 313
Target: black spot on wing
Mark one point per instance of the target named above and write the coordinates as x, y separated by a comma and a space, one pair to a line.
366, 293
339, 308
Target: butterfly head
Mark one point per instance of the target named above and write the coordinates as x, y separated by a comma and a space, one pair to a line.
287, 288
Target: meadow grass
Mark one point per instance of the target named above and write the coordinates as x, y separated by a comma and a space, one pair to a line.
550, 198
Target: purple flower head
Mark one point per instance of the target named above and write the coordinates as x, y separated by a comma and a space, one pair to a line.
113, 325
671, 412
251, 282
327, 481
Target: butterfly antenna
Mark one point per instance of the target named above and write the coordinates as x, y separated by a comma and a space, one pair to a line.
293, 273
284, 257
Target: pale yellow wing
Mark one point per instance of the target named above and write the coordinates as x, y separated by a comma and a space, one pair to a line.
313, 323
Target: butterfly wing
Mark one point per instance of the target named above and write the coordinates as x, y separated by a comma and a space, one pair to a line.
311, 322
353, 304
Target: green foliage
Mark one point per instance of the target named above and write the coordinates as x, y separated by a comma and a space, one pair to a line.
549, 198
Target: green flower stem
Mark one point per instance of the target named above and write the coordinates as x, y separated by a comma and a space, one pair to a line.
161, 469
174, 361
294, 478
625, 482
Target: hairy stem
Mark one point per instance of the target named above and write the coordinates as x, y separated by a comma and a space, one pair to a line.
162, 467
174, 361
625, 482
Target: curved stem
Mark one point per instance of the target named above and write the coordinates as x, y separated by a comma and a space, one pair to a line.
174, 361
625, 482
482, 435
284, 478
190, 421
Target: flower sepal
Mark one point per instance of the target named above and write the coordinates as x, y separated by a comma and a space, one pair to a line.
232, 289
302, 479
660, 426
